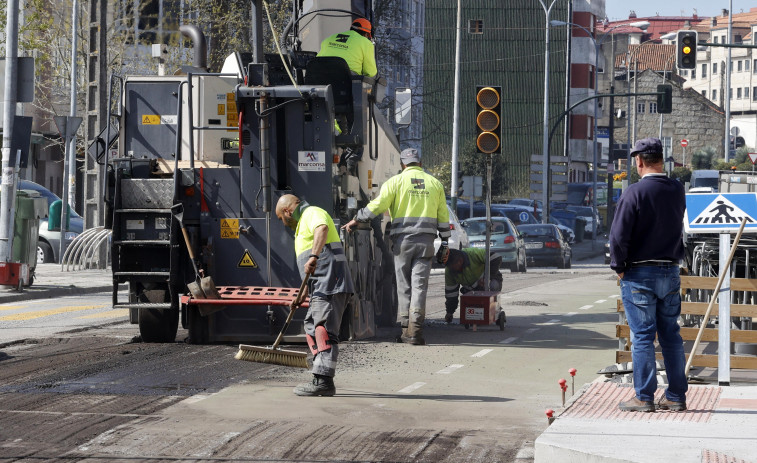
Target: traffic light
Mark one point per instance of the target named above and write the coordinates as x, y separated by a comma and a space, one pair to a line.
488, 121
687, 49
665, 99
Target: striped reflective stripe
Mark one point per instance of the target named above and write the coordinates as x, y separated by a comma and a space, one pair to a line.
409, 225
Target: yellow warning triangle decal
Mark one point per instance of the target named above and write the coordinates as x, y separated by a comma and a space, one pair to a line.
247, 260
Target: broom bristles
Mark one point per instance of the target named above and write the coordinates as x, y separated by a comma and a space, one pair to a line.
287, 358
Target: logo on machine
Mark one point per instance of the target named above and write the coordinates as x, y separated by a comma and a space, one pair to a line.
247, 261
311, 161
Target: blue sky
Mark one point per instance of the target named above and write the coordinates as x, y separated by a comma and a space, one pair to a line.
619, 9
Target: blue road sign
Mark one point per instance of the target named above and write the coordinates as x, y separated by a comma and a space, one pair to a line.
523, 216
720, 213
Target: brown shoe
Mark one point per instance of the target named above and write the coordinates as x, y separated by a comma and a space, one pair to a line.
636, 405
448, 318
665, 404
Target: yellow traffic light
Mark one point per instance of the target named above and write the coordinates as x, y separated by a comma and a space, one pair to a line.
488, 120
686, 42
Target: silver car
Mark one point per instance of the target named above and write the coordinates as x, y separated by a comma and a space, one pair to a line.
458, 237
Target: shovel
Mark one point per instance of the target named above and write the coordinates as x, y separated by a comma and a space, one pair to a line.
202, 287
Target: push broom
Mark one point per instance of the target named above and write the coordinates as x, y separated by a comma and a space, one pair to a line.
274, 355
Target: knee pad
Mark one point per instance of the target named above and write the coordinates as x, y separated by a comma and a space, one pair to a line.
321, 343
322, 340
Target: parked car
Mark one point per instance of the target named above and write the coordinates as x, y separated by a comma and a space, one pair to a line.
458, 236
48, 244
567, 233
545, 245
505, 240
534, 204
517, 214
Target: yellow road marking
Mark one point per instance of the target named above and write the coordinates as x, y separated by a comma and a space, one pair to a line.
110, 314
47, 313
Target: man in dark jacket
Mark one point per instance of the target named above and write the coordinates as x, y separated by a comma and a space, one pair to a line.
645, 251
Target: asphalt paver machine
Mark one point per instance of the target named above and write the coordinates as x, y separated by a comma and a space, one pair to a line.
223, 148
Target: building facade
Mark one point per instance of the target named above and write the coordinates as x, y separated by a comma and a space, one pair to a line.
502, 44
709, 78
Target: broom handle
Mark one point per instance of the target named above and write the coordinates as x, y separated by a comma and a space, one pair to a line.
297, 301
723, 271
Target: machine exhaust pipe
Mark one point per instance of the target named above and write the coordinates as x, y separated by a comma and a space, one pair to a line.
199, 45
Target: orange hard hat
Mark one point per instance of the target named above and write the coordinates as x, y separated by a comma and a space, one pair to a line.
362, 24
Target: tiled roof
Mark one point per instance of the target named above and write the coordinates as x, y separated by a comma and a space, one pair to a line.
658, 25
654, 56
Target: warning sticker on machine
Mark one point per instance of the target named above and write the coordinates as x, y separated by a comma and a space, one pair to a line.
155, 119
474, 313
230, 228
247, 260
135, 224
311, 161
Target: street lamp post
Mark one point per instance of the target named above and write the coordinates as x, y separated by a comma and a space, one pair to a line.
595, 161
545, 139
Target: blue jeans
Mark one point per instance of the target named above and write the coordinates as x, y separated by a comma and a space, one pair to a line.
652, 302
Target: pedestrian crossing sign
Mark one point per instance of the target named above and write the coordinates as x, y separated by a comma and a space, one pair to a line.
720, 213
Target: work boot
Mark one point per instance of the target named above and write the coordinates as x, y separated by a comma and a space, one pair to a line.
413, 335
448, 318
667, 404
402, 335
319, 386
636, 405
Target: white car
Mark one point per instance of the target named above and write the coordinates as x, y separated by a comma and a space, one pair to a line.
458, 237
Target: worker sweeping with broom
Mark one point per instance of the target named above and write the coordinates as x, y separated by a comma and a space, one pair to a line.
321, 256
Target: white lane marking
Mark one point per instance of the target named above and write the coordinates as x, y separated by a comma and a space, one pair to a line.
449, 369
508, 340
585, 307
411, 388
481, 353
570, 314
614, 296
600, 301
531, 330
552, 322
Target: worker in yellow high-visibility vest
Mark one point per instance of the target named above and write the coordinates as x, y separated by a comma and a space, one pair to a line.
354, 46
319, 253
418, 209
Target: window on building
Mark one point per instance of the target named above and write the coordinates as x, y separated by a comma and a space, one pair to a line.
640, 108
737, 38
684, 72
746, 93
738, 93
714, 68
476, 26
731, 66
715, 39
652, 108
704, 93
730, 93
715, 96
754, 68
693, 74
704, 70
738, 66
746, 65
754, 93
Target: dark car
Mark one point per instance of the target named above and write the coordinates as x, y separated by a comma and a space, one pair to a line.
48, 244
545, 245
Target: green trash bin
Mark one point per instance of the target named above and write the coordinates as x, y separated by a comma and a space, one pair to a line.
30, 207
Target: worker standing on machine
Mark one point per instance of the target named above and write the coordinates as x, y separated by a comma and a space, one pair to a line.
319, 253
464, 272
353, 46
418, 208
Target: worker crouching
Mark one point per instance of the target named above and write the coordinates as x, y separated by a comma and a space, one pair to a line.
464, 272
